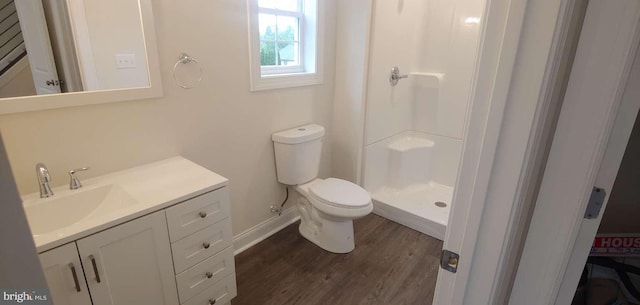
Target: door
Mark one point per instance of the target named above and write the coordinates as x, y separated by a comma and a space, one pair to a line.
38, 44
597, 117
18, 248
63, 272
605, 179
130, 263
515, 76
62, 41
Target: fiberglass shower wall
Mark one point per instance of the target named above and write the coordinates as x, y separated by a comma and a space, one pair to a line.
414, 130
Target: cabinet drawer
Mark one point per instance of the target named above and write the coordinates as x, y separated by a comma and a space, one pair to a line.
221, 293
200, 245
197, 213
201, 276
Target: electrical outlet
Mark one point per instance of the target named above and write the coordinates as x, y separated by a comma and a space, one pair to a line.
125, 61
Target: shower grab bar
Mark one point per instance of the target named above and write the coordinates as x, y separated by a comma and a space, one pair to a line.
395, 76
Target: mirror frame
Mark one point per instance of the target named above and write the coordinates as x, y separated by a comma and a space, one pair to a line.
70, 99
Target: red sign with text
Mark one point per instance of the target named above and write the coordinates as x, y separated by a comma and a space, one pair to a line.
616, 245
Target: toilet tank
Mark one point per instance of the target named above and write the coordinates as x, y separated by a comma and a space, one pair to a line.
298, 152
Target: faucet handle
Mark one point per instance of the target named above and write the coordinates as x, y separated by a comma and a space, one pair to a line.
73, 171
74, 182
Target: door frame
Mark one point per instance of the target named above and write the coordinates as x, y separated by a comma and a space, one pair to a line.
84, 48
584, 127
520, 55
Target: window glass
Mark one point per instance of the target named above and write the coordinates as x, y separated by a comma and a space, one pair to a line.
288, 53
267, 26
279, 40
287, 28
267, 53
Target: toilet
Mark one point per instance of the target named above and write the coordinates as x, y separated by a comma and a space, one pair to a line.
327, 206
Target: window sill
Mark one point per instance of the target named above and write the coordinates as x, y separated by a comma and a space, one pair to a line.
280, 81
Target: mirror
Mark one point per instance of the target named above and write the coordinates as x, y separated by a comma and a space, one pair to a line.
75, 52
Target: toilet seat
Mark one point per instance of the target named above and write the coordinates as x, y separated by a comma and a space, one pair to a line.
340, 193
339, 198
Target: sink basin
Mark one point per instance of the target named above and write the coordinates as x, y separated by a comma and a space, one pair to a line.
109, 200
69, 207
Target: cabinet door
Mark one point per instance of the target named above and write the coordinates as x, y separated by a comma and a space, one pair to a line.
63, 272
130, 264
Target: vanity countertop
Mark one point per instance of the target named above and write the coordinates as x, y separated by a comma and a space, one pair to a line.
152, 187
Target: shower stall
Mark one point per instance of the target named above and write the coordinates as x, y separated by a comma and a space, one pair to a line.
415, 115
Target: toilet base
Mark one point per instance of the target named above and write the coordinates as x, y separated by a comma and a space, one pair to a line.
327, 231
333, 236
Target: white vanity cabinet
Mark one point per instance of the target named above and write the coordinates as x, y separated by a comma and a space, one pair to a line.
130, 263
127, 264
200, 233
182, 254
64, 275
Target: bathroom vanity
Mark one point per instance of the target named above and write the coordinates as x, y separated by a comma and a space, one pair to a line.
156, 234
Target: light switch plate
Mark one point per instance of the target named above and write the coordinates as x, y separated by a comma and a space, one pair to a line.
125, 61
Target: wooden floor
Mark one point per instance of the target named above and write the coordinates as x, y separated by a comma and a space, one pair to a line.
391, 265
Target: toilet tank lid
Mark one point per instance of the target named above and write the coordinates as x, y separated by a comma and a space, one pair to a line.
299, 134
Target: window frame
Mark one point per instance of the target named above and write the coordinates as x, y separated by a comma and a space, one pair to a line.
311, 41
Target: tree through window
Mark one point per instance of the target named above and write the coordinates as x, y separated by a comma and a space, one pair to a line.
280, 24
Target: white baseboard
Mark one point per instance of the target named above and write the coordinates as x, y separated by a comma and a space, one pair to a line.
263, 230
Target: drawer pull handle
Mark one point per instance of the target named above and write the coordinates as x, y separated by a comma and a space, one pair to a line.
212, 301
202, 214
206, 245
209, 275
75, 277
95, 267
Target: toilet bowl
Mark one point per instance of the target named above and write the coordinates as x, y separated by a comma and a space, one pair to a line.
327, 207
327, 210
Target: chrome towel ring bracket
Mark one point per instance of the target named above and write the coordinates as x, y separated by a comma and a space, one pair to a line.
184, 60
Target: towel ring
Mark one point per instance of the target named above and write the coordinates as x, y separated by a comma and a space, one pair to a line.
186, 59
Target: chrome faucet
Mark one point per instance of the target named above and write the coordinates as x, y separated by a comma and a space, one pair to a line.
74, 182
43, 180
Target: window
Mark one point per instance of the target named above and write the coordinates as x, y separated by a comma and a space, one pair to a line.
284, 43
279, 30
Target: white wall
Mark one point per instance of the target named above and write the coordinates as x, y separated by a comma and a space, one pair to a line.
435, 43
18, 81
396, 27
449, 46
353, 20
220, 125
421, 37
